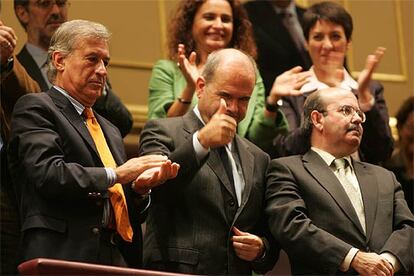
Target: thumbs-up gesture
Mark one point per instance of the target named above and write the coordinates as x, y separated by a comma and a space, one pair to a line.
220, 130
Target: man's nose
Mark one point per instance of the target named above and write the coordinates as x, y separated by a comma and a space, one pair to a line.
101, 68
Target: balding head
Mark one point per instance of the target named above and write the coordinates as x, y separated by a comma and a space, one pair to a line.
333, 120
229, 74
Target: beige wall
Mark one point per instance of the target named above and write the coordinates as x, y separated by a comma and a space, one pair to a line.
138, 28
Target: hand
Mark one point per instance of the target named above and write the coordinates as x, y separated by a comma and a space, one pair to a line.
220, 130
188, 67
247, 246
156, 176
132, 168
8, 41
288, 84
364, 78
371, 264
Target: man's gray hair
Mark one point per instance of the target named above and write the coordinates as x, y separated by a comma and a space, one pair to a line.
213, 61
312, 102
68, 35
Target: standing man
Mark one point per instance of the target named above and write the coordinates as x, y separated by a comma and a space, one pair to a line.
331, 213
277, 27
209, 220
40, 19
68, 163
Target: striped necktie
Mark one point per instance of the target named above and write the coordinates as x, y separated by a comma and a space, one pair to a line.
117, 195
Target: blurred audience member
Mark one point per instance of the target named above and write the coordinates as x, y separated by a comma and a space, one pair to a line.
197, 29
401, 161
15, 82
277, 27
328, 29
40, 19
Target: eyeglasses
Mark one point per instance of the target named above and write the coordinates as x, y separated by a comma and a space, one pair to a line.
48, 4
349, 111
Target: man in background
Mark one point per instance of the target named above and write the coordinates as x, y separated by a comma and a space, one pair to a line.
279, 37
40, 19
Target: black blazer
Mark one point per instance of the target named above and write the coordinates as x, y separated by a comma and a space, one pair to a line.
109, 105
190, 218
60, 181
276, 50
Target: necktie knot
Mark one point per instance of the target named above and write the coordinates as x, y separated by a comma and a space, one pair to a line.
340, 163
88, 113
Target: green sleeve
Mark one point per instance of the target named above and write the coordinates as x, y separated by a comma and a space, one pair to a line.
256, 127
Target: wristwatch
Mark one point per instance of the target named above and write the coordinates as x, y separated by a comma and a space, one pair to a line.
8, 66
273, 107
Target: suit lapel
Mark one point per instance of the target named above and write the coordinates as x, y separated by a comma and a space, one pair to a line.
327, 179
26, 59
369, 190
247, 165
73, 117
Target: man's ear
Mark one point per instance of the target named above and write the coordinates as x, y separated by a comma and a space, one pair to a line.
58, 60
200, 86
317, 119
22, 14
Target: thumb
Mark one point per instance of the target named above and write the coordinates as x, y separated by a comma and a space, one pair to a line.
222, 108
237, 232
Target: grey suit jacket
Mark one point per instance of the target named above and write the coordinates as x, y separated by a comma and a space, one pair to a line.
312, 217
60, 181
190, 219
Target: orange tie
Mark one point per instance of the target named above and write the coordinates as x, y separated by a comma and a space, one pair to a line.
117, 196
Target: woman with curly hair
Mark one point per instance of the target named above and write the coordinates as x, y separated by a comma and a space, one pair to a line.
198, 28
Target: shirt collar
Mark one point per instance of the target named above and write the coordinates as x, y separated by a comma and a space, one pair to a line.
329, 158
39, 55
77, 105
314, 84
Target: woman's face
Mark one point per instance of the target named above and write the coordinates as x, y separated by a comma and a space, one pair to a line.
213, 26
327, 45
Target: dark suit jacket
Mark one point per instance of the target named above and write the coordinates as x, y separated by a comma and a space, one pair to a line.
312, 217
377, 142
190, 218
276, 50
108, 106
60, 181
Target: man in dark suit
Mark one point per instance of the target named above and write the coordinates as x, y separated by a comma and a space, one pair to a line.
331, 213
280, 47
209, 220
71, 179
40, 19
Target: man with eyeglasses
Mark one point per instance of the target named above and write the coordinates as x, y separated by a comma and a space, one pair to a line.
40, 19
331, 213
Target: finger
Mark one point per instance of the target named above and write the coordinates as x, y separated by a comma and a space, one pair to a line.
379, 52
192, 58
175, 169
238, 232
295, 69
222, 108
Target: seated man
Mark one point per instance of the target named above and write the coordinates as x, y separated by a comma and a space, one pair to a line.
210, 219
331, 213
68, 163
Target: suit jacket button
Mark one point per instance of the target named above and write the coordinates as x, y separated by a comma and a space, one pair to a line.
367, 249
231, 202
95, 230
